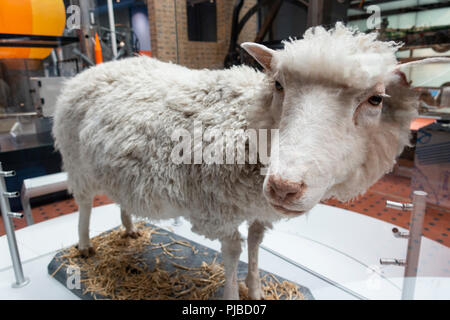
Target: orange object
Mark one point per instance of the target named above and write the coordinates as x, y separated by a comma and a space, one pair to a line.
145, 52
98, 50
39, 17
420, 123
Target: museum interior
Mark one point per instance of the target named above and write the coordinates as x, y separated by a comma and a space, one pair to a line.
155, 65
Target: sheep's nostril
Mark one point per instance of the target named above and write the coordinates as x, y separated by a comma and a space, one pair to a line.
284, 190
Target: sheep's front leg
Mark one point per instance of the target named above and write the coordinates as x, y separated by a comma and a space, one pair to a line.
231, 250
84, 243
127, 222
254, 239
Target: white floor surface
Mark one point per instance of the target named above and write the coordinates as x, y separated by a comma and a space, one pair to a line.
333, 252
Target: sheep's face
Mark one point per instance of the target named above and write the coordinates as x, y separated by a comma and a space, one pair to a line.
334, 141
337, 135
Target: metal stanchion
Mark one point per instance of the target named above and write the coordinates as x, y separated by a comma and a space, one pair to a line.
414, 242
414, 237
21, 280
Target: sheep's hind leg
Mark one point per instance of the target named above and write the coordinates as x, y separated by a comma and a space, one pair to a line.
127, 222
254, 239
231, 250
84, 243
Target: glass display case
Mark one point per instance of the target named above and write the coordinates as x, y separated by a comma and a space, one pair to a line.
392, 242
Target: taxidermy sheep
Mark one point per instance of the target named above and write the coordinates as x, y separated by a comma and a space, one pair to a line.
340, 109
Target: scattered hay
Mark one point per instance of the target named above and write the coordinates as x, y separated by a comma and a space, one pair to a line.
119, 271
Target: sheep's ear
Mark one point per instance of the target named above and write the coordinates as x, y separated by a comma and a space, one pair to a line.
398, 71
423, 61
261, 53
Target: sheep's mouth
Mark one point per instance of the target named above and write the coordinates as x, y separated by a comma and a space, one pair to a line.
287, 212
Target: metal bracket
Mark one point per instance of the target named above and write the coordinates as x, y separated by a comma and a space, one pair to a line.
16, 215
7, 173
393, 262
399, 205
398, 234
10, 195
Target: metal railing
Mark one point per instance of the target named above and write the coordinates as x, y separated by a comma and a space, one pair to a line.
7, 215
414, 237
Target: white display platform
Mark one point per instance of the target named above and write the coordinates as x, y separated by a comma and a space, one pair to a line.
331, 251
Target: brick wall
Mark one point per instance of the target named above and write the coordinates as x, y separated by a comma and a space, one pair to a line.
169, 35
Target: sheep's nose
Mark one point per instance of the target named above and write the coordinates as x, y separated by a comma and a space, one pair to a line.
283, 190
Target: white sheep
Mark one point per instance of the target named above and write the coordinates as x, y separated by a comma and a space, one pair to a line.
114, 124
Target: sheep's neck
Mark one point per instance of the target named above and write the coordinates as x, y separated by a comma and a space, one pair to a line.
260, 115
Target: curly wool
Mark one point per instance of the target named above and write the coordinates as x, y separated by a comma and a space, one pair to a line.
341, 55
113, 127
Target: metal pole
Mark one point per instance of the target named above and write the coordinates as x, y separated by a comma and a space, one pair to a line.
112, 27
176, 29
18, 114
87, 31
315, 13
10, 235
414, 242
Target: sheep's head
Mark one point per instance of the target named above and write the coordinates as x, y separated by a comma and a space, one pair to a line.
343, 113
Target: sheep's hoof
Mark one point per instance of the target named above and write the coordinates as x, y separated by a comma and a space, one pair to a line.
132, 234
231, 295
87, 252
254, 291
255, 294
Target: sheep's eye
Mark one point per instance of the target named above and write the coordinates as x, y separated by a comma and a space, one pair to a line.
278, 86
375, 100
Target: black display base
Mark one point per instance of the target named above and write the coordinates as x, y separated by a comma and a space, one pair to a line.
58, 266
